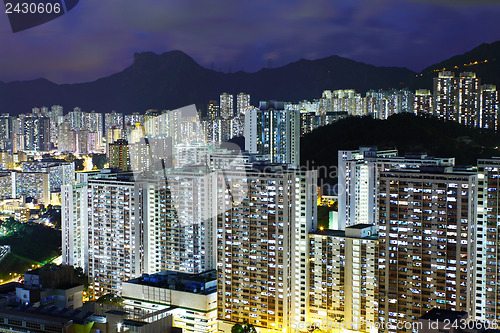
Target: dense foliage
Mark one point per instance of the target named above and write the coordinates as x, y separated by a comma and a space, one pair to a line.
408, 133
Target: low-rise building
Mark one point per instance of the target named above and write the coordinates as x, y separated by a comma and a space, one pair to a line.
190, 298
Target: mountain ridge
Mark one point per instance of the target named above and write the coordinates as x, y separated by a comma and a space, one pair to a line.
174, 79
484, 60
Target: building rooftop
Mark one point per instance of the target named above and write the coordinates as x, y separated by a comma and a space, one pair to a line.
328, 232
342, 233
203, 283
117, 312
360, 226
48, 314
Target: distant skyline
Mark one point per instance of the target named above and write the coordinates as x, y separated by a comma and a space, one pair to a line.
99, 38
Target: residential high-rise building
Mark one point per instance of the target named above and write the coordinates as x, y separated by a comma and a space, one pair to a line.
6, 160
81, 141
226, 106
6, 134
376, 104
112, 136
343, 277
35, 133
113, 120
74, 217
469, 91
427, 244
151, 154
213, 111
398, 101
115, 233
242, 103
358, 178
34, 185
180, 233
151, 125
343, 100
357, 182
56, 118
133, 119
94, 142
274, 131
262, 246
56, 111
446, 96
221, 130
94, 123
488, 236
190, 154
17, 134
212, 130
60, 172
118, 226
489, 107
237, 126
119, 155
76, 118
66, 138
325, 103
422, 103
182, 125
465, 100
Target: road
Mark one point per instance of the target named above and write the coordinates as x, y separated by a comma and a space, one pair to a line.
4, 250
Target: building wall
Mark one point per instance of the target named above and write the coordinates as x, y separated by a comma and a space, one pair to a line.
74, 224
358, 179
489, 107
194, 313
257, 249
343, 280
31, 184
275, 132
180, 231
114, 234
427, 240
488, 245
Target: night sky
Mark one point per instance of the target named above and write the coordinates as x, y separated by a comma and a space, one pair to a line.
99, 37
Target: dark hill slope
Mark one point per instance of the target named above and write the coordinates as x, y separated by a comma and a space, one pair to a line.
406, 132
483, 60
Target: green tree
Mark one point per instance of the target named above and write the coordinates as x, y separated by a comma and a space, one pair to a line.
110, 299
99, 160
244, 327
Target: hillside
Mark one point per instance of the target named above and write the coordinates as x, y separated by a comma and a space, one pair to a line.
483, 60
406, 132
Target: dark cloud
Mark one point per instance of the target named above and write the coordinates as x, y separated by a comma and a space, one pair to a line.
98, 38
